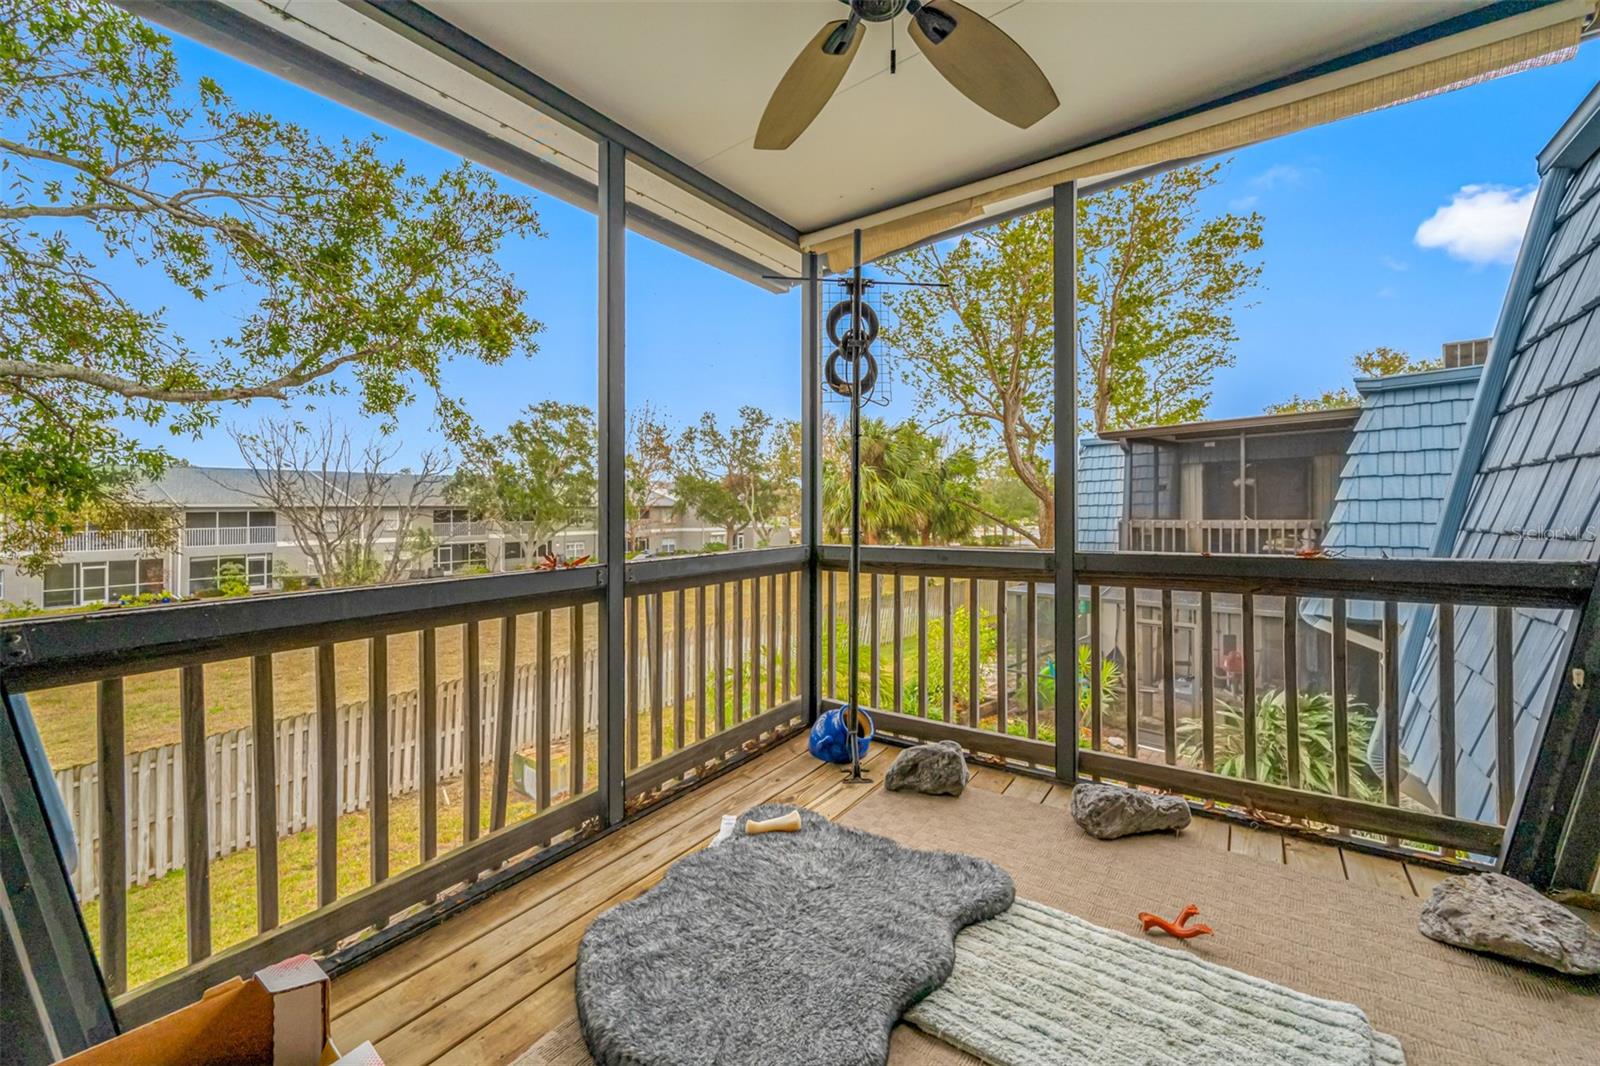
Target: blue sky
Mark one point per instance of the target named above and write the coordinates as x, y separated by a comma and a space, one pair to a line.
1344, 267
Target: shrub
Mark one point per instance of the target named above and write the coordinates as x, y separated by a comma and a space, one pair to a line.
231, 580
1317, 770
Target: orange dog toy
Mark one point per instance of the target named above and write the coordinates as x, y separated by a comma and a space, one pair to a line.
1181, 929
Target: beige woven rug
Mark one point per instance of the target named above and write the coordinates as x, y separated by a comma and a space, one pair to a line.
1326, 938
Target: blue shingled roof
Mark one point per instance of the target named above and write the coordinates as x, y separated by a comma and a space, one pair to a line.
1100, 488
1399, 462
1530, 484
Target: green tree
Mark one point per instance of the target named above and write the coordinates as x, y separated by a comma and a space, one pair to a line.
1158, 284
733, 478
1379, 362
341, 271
537, 477
913, 489
649, 461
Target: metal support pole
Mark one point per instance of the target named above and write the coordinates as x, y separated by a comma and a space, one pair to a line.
612, 686
853, 338
1064, 299
810, 491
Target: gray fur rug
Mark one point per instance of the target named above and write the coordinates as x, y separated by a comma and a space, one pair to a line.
783, 948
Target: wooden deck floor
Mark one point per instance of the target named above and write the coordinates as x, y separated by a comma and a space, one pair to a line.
485, 985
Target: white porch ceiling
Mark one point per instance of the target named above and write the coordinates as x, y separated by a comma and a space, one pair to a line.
693, 78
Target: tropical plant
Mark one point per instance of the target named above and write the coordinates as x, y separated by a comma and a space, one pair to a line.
1110, 683
913, 490
1317, 751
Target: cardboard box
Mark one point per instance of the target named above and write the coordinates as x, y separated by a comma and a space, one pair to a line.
277, 1018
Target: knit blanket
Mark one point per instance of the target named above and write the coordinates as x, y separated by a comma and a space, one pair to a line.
1039, 987
800, 949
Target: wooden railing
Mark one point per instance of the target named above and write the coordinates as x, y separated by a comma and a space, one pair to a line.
1255, 682
229, 536
337, 770
99, 540
1223, 536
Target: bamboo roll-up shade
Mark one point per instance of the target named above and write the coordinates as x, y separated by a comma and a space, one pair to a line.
1226, 128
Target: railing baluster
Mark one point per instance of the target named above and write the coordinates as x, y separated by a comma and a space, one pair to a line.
1000, 701
501, 800
377, 761
680, 708
1341, 697
702, 681
1391, 703
772, 638
196, 841
428, 740
897, 632
1291, 686
873, 609
1095, 697
1247, 605
472, 733
830, 642
719, 713
1130, 669
947, 705
1032, 661
922, 646
542, 731
635, 682
579, 728
113, 865
788, 636
1208, 685
755, 646
655, 655
1169, 667
1447, 709
1505, 709
264, 726
974, 624
738, 650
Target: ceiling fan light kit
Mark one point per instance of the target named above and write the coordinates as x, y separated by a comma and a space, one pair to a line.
974, 55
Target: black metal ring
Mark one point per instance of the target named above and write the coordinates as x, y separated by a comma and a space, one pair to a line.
841, 384
869, 318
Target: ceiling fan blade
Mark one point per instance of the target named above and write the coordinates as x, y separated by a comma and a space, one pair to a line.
808, 84
983, 63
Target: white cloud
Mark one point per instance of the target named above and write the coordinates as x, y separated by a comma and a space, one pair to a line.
1243, 203
1481, 224
1396, 265
1279, 174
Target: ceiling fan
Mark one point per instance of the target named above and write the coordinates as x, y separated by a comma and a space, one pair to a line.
972, 53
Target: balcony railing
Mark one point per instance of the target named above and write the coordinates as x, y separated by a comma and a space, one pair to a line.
1230, 536
500, 673
507, 674
446, 530
101, 540
229, 536
1226, 682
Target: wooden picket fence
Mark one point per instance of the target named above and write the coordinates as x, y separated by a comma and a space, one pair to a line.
154, 776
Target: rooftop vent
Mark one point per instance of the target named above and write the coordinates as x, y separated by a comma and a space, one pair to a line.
1466, 353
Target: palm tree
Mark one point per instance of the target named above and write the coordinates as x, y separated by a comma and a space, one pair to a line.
911, 493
